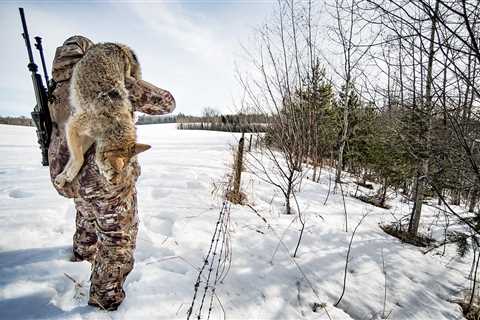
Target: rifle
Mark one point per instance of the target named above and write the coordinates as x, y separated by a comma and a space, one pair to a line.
40, 115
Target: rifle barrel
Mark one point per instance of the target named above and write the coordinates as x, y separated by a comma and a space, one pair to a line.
38, 45
26, 37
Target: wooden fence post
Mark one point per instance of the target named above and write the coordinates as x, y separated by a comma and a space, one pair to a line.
236, 196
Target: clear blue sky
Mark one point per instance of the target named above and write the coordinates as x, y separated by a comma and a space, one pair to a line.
187, 47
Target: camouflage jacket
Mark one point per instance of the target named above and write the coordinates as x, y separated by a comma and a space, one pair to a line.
145, 98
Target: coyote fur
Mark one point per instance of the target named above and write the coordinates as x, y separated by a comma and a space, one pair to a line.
102, 112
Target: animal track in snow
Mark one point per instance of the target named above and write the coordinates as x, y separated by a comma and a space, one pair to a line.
175, 266
194, 185
159, 193
159, 225
19, 194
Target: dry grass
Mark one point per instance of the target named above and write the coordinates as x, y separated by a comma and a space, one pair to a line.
471, 312
419, 240
373, 201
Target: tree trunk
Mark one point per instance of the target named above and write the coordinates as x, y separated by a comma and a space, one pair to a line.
473, 198
456, 197
384, 194
288, 207
343, 139
320, 170
425, 132
419, 196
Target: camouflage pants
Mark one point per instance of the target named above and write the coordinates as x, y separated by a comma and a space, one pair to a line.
105, 235
85, 237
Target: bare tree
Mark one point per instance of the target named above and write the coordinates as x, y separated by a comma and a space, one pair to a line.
288, 87
348, 28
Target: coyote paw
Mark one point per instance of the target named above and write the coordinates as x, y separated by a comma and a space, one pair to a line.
60, 180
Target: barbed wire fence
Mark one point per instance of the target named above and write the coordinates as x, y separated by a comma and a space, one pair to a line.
216, 265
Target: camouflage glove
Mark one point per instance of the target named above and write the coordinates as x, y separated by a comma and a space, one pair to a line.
147, 98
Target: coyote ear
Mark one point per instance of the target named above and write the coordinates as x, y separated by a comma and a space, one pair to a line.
140, 147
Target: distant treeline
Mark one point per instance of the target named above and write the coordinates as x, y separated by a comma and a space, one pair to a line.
145, 119
17, 121
231, 123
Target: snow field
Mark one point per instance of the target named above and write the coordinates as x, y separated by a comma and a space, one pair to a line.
177, 214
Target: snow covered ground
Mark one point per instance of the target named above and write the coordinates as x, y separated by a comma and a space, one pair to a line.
178, 214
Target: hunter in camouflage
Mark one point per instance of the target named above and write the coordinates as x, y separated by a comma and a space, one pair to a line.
106, 219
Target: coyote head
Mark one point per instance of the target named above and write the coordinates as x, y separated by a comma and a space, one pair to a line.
118, 159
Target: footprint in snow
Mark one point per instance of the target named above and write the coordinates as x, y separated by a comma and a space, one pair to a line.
194, 185
154, 255
175, 266
160, 193
159, 225
19, 194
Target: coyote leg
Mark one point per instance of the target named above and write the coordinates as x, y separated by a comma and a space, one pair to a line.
78, 144
104, 165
